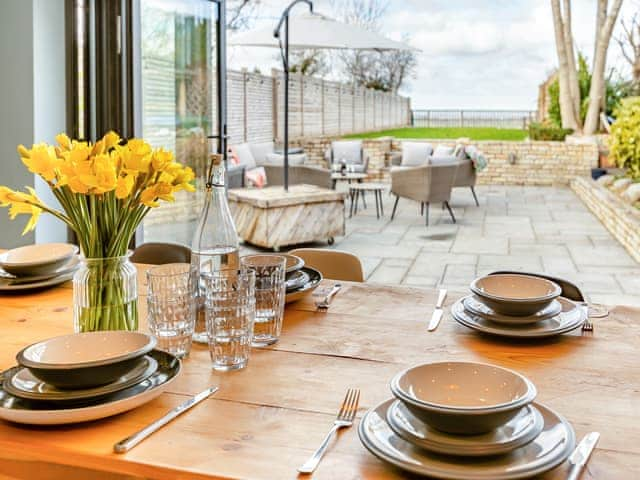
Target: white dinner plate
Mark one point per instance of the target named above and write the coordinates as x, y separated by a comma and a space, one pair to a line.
571, 317
22, 383
518, 431
546, 451
36, 412
38, 259
6, 284
474, 305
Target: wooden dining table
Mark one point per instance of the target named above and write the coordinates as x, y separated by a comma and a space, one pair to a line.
267, 419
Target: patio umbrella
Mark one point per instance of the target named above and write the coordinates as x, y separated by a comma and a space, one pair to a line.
311, 31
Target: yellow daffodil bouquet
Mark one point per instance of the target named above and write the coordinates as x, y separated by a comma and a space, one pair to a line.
105, 190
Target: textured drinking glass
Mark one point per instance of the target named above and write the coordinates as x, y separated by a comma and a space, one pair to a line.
171, 307
270, 294
230, 311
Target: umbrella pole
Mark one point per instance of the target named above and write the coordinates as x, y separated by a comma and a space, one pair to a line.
284, 19
286, 103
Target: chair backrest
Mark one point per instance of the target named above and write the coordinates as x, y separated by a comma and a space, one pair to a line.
348, 150
415, 154
333, 264
156, 253
298, 174
440, 182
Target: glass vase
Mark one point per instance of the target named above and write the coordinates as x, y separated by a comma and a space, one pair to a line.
105, 295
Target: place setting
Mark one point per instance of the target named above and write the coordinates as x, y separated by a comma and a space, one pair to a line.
470, 421
300, 279
525, 306
84, 376
37, 266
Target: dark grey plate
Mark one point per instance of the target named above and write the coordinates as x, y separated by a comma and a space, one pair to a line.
23, 384
39, 412
315, 277
296, 279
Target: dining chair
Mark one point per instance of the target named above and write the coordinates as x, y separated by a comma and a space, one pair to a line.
333, 264
425, 184
158, 253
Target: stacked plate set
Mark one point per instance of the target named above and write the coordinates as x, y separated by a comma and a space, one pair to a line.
300, 279
85, 376
37, 266
468, 421
521, 306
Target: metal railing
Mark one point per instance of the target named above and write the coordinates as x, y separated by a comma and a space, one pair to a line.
473, 118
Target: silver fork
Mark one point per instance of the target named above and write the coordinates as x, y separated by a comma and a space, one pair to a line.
326, 301
345, 418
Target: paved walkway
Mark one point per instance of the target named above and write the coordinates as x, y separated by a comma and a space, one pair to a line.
545, 229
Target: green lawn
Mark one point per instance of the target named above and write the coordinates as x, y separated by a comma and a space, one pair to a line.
446, 132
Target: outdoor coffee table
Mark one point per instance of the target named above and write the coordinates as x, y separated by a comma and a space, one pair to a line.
358, 190
272, 218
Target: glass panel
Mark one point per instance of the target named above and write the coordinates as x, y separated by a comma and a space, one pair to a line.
177, 75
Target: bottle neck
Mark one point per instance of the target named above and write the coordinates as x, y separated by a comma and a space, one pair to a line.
217, 176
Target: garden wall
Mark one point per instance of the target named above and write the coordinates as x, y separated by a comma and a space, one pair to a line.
535, 163
622, 220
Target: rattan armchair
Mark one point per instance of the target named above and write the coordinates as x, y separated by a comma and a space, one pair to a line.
426, 184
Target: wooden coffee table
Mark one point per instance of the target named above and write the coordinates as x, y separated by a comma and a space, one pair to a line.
272, 218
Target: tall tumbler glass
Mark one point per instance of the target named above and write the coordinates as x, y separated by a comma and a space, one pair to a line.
270, 273
171, 311
230, 311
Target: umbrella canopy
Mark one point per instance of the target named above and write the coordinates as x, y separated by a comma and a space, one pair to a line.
312, 31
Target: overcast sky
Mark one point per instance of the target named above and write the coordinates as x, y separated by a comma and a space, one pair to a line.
483, 54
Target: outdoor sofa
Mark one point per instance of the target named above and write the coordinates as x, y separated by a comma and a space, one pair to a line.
422, 153
250, 156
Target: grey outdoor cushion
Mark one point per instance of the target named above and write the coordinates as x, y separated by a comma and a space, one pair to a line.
244, 155
347, 151
443, 160
415, 154
278, 159
443, 151
260, 151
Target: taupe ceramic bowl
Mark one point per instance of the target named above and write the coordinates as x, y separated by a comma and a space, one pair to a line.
463, 398
517, 295
85, 360
34, 260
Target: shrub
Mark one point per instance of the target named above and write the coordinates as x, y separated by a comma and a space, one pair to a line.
625, 136
543, 131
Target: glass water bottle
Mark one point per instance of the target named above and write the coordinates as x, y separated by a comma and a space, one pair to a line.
215, 242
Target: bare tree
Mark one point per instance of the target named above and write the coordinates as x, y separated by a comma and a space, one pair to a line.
240, 13
308, 62
574, 87
606, 16
629, 42
570, 119
387, 71
598, 85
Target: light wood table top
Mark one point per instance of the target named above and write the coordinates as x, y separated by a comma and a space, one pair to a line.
267, 419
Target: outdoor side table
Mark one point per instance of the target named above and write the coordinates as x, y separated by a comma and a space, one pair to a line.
348, 177
359, 189
272, 218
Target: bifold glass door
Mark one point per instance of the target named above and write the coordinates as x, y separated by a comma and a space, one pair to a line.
176, 107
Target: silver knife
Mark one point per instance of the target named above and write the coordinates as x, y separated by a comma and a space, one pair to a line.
581, 454
437, 313
133, 440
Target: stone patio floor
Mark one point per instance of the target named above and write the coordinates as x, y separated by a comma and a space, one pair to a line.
542, 229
